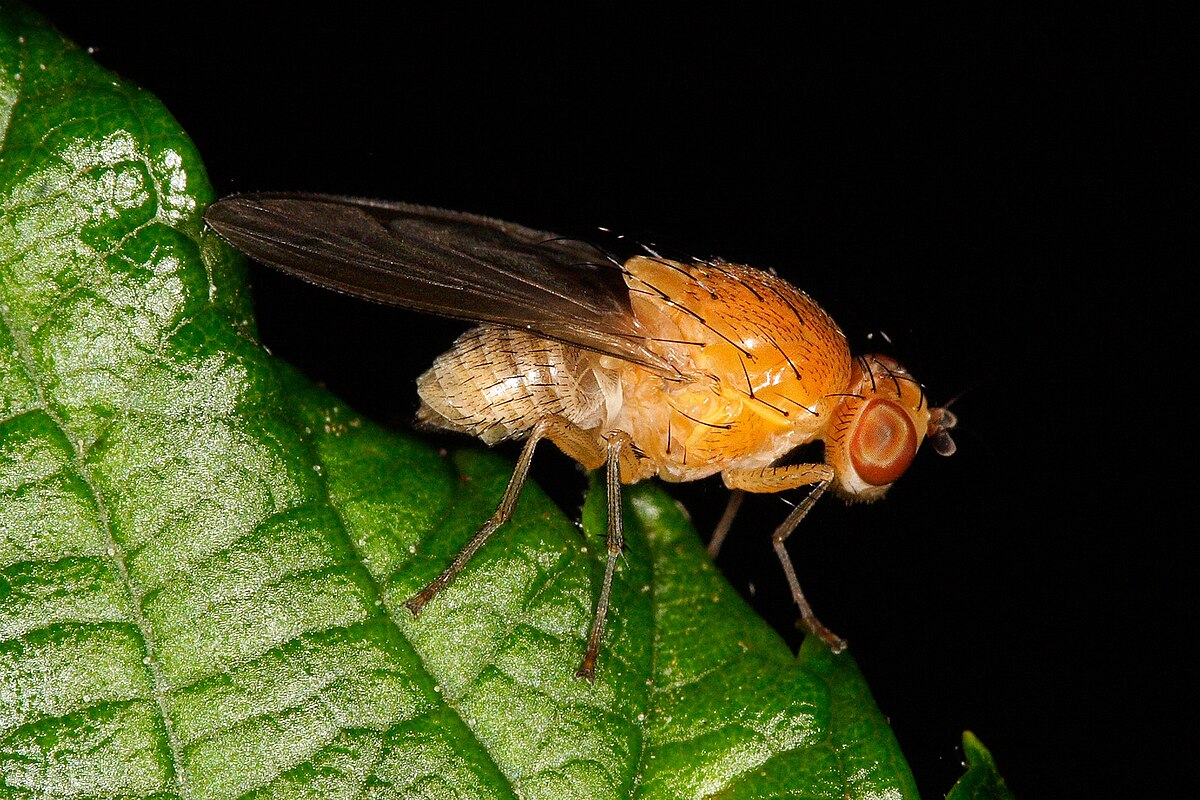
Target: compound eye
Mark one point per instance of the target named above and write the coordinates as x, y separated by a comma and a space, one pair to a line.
884, 442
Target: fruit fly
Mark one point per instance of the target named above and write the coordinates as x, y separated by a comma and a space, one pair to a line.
647, 367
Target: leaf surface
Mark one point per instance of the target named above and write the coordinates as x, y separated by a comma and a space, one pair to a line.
203, 557
982, 780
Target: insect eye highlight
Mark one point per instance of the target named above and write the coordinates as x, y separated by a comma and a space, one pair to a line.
883, 443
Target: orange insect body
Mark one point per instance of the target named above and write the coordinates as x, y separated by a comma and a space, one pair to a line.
761, 366
760, 369
653, 367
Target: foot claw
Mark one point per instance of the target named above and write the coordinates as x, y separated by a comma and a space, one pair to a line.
415, 604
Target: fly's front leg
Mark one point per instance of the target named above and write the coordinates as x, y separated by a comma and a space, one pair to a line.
571, 439
726, 522
776, 479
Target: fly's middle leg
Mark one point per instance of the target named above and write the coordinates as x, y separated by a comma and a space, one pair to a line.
621, 459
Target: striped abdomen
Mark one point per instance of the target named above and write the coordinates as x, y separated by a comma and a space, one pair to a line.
496, 383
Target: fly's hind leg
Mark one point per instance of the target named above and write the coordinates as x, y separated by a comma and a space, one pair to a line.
571, 439
592, 452
777, 479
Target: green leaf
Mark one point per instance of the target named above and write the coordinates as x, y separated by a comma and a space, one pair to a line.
203, 557
982, 780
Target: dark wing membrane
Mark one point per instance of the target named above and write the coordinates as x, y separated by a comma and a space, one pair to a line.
442, 262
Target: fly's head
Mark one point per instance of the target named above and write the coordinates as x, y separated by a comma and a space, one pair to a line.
878, 427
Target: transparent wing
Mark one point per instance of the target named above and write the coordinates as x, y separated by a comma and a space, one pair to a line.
442, 262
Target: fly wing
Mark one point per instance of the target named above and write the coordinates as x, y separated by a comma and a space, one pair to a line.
442, 262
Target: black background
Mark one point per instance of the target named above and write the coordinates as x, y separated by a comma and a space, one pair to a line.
960, 183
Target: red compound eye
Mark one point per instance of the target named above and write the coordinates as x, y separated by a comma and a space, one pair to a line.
884, 442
